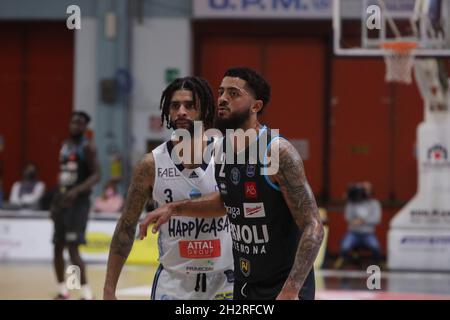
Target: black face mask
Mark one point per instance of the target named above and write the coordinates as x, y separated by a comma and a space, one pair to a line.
29, 175
235, 121
77, 137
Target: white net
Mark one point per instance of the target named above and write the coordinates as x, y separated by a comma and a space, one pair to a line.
399, 61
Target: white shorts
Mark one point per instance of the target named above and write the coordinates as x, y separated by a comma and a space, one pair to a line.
169, 285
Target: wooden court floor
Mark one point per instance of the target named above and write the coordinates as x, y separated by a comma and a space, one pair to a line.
36, 281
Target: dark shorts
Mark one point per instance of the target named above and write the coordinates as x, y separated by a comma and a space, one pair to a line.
269, 289
70, 223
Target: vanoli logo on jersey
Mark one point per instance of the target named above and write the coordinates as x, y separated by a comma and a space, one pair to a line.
191, 229
254, 210
250, 239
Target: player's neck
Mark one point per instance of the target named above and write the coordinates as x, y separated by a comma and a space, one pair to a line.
248, 125
195, 142
251, 124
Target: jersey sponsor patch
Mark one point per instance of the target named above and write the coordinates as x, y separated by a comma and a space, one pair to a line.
250, 190
233, 211
235, 176
244, 265
254, 210
194, 228
68, 175
195, 193
199, 249
199, 268
251, 169
223, 188
168, 173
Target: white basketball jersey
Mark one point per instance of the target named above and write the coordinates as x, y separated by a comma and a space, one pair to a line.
189, 245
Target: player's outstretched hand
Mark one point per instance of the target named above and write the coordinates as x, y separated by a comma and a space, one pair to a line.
158, 216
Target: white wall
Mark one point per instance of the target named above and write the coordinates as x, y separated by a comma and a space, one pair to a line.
158, 44
86, 88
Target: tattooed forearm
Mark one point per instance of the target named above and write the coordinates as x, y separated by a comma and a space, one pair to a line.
139, 193
306, 254
123, 238
126, 227
300, 200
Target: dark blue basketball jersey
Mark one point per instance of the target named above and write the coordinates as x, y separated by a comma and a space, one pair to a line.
265, 235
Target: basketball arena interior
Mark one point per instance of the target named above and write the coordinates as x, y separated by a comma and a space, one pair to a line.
359, 87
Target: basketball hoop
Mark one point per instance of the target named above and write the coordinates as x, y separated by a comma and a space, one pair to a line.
399, 60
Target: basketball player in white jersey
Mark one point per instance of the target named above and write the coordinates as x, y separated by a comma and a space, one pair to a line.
195, 254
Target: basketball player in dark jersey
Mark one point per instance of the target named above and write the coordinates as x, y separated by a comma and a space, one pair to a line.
79, 172
276, 228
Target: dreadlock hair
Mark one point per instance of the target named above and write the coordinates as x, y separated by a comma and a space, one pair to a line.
258, 85
202, 96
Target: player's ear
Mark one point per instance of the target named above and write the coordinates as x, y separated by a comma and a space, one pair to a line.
257, 106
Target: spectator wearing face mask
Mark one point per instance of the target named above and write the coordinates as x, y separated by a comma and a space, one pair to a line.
110, 200
27, 193
363, 213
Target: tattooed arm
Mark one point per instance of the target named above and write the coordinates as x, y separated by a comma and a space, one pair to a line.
297, 193
139, 193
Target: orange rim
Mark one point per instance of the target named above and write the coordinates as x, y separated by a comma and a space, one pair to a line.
399, 46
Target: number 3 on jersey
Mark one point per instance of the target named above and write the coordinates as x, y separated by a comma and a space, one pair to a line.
168, 193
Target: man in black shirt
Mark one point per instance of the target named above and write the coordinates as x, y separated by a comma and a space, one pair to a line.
79, 172
275, 223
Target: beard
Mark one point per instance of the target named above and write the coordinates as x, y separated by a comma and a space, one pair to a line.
235, 121
190, 128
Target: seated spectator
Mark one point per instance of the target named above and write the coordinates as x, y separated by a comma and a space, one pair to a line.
362, 213
27, 193
110, 200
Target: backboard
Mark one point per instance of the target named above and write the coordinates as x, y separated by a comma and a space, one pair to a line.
364, 27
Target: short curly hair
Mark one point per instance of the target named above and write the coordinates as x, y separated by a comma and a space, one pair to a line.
258, 85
